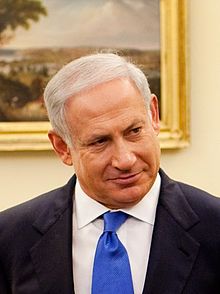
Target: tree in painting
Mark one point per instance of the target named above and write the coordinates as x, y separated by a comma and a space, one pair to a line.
18, 13
15, 96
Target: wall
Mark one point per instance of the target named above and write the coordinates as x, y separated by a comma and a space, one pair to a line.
26, 174
199, 163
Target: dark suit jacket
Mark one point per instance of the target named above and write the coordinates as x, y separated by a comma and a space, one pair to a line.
36, 243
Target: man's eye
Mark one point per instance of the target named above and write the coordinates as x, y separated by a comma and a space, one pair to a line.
136, 130
99, 142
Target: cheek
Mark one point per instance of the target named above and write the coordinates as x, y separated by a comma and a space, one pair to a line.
79, 163
91, 166
99, 166
150, 151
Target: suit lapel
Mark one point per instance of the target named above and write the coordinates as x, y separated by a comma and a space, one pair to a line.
173, 250
52, 254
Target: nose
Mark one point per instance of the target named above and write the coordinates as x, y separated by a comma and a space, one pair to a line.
123, 157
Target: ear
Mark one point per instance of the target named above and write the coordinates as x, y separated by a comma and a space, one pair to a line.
154, 111
61, 148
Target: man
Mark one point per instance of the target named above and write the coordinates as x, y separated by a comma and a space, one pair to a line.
105, 123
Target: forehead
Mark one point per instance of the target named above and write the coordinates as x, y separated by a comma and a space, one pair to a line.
105, 97
108, 107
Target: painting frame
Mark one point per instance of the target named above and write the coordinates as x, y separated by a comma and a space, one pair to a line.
32, 136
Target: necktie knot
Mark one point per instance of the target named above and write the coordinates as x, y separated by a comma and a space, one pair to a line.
113, 220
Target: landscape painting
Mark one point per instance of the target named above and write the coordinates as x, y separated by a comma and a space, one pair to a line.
37, 37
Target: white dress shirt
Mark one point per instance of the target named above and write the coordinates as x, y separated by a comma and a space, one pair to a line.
135, 234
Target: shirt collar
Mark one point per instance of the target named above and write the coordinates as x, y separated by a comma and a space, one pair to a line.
87, 209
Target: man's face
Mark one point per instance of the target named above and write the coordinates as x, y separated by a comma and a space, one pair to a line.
116, 151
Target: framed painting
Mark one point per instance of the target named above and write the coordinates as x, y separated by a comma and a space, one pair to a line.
33, 47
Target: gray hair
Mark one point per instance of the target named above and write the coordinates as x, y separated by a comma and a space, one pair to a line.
85, 73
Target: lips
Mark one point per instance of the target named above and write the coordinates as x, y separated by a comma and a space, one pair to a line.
127, 179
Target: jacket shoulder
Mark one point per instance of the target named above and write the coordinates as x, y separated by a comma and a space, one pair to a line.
177, 196
22, 216
200, 200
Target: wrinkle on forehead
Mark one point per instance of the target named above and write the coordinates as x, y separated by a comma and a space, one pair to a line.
118, 100
105, 97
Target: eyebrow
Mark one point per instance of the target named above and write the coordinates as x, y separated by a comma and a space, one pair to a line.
97, 136
134, 123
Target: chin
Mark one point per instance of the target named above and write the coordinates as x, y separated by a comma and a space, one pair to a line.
131, 200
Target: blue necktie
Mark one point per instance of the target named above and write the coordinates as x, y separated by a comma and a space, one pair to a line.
111, 270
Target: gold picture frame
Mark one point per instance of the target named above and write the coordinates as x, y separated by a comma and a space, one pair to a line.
24, 136
174, 75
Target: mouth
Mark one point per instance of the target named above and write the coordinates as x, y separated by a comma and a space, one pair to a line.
127, 179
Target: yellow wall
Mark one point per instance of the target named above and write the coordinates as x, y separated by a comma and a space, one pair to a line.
26, 174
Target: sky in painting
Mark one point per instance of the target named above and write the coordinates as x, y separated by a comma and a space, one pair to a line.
108, 23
